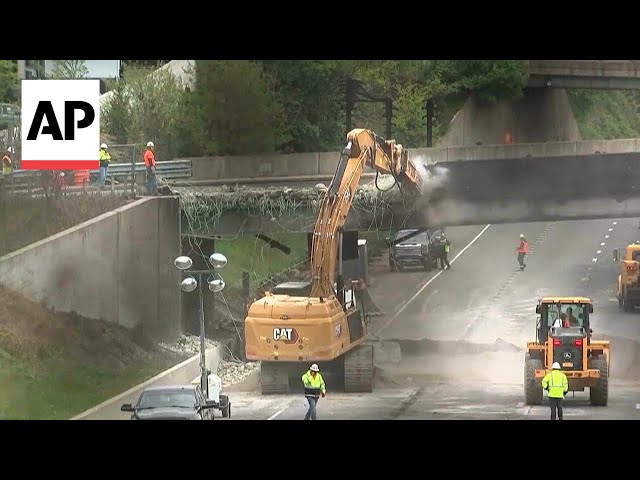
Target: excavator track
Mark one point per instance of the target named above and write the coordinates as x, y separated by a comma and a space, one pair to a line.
358, 369
274, 378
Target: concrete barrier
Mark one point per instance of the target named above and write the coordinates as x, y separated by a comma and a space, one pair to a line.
325, 163
181, 374
117, 267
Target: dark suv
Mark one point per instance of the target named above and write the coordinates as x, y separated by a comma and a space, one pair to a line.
414, 249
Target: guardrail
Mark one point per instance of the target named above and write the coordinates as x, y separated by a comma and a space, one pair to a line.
125, 175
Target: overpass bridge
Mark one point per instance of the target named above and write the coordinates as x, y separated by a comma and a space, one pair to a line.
465, 186
593, 74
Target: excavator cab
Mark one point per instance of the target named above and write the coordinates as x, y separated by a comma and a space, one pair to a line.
564, 335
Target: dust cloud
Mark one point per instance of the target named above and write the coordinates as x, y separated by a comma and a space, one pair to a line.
421, 362
418, 362
433, 176
625, 359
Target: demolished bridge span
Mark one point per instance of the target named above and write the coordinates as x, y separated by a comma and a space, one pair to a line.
229, 210
457, 193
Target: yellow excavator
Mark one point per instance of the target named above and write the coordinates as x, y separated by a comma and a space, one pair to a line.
299, 323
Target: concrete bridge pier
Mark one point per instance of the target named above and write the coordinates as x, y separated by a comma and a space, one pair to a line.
541, 115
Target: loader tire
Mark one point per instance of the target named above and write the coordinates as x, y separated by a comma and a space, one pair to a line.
532, 387
599, 394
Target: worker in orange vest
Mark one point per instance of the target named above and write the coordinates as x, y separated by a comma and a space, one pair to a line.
523, 249
150, 164
7, 164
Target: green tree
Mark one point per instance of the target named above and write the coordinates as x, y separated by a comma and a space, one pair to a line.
233, 111
313, 100
144, 106
9, 84
69, 69
489, 80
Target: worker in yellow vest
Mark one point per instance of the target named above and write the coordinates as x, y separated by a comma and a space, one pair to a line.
314, 386
556, 383
105, 159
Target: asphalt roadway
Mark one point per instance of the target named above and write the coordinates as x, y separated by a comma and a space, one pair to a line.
451, 342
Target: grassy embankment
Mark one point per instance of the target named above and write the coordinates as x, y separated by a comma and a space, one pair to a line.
55, 365
606, 114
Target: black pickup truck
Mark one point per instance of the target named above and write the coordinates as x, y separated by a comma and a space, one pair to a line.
414, 248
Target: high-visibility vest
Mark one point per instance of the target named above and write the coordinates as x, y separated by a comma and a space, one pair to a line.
105, 157
557, 382
313, 386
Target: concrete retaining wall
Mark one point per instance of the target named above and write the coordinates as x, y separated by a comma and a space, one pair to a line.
325, 163
117, 267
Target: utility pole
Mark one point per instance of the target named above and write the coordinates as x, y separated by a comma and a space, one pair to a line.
349, 103
355, 93
429, 108
22, 69
388, 104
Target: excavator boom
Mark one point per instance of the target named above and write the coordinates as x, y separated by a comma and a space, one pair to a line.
364, 148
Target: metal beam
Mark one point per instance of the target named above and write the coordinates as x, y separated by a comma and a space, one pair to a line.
599, 83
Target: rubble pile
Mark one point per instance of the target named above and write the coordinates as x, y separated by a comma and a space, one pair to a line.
232, 372
188, 344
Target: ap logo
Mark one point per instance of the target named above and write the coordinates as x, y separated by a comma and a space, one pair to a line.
60, 124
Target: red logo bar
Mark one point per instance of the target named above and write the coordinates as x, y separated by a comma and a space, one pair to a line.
60, 164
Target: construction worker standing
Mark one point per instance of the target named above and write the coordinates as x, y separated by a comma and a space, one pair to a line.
313, 387
150, 164
444, 260
523, 249
105, 159
556, 383
7, 164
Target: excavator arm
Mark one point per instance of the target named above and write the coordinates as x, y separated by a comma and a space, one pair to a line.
363, 148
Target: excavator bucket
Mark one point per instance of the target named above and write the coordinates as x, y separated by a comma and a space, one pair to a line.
533, 189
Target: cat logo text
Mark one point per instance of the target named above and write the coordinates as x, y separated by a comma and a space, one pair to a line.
286, 335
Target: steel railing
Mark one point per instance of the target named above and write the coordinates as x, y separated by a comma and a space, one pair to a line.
117, 173
124, 176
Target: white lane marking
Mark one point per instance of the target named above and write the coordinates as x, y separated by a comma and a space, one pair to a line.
406, 304
599, 252
615, 223
611, 229
276, 414
594, 260
637, 406
602, 244
606, 236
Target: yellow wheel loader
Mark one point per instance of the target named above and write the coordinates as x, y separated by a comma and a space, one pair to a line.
628, 284
564, 336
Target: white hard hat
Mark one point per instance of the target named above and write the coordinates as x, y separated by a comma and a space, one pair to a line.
104, 145
522, 235
555, 366
314, 368
150, 144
